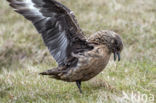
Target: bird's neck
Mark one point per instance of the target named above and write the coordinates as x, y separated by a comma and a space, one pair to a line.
96, 39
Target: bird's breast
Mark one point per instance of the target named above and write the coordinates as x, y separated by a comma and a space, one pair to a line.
89, 64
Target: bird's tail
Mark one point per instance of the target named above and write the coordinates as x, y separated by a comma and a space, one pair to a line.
54, 71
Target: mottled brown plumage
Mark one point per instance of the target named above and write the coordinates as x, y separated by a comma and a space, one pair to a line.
79, 59
90, 63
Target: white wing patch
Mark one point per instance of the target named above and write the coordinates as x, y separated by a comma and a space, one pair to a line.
72, 12
28, 5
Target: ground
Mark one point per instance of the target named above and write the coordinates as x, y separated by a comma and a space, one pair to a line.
23, 55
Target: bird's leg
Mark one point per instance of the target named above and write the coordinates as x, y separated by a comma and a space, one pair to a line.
78, 83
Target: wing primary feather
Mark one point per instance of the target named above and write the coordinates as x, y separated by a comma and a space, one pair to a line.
55, 22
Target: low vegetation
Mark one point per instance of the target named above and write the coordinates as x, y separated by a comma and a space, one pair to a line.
23, 55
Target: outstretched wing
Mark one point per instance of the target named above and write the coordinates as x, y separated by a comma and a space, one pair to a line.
55, 22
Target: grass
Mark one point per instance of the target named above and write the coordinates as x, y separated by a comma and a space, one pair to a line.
23, 55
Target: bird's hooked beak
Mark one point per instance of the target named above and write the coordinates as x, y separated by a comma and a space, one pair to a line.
116, 54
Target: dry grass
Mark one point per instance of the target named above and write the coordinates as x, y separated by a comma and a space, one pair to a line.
23, 55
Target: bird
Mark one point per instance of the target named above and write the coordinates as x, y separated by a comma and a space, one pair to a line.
79, 58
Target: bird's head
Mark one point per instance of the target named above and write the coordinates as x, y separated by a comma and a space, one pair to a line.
109, 38
115, 45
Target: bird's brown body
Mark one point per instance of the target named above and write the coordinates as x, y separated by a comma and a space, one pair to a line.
79, 59
89, 64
